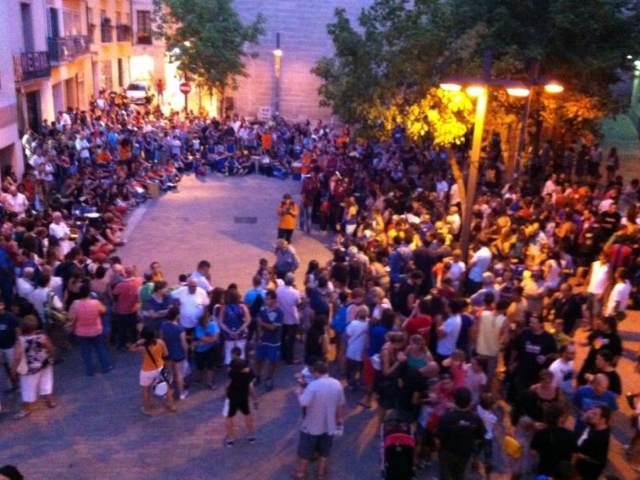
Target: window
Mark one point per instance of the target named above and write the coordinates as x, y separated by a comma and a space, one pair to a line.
72, 24
53, 24
144, 21
27, 26
144, 27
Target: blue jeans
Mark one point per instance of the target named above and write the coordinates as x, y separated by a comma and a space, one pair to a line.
94, 343
305, 218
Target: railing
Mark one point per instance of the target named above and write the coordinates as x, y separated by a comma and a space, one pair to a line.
144, 38
106, 33
123, 33
65, 49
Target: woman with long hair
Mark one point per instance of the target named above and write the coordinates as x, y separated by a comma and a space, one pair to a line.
234, 324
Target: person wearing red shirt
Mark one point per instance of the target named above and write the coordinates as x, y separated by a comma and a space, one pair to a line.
126, 307
419, 323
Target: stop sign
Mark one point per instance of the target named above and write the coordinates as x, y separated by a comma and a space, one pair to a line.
185, 87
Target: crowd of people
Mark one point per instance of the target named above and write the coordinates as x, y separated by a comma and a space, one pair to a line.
454, 343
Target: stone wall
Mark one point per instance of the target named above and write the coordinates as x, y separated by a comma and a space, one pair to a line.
302, 25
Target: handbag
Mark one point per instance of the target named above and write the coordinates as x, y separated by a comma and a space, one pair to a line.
512, 447
163, 380
23, 367
52, 314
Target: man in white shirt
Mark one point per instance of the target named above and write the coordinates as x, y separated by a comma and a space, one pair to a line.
563, 369
477, 266
82, 146
203, 275
356, 333
453, 220
596, 284
456, 268
323, 400
288, 301
193, 301
619, 296
38, 297
58, 228
449, 331
16, 202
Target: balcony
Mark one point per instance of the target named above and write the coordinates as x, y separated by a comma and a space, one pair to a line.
123, 33
106, 33
144, 38
31, 66
66, 49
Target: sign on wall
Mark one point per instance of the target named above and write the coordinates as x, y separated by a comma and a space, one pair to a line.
31, 65
264, 113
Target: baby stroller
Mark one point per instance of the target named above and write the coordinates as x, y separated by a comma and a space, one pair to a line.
397, 451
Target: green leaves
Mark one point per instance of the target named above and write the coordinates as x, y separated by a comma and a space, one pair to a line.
208, 39
384, 69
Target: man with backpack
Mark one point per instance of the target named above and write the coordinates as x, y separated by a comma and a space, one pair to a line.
254, 300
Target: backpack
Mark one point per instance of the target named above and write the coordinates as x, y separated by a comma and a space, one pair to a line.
340, 320
256, 306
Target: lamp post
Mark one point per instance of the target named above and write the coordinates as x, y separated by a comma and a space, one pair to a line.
550, 86
277, 54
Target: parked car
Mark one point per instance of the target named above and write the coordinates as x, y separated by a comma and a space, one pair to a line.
139, 93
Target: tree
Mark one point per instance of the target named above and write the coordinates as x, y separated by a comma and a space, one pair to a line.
384, 70
207, 39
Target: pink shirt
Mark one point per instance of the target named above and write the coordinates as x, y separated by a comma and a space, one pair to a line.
86, 314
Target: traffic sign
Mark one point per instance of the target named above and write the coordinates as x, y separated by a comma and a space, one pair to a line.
185, 87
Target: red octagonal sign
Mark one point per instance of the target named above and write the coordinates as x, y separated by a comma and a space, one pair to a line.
185, 87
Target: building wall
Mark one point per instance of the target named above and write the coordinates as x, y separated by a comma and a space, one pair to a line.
303, 40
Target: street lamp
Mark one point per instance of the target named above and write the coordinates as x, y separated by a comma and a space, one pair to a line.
550, 86
478, 88
277, 54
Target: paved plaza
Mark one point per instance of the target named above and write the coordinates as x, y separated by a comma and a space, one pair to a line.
97, 431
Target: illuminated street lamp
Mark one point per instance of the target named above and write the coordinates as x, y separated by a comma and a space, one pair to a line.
550, 86
277, 55
478, 88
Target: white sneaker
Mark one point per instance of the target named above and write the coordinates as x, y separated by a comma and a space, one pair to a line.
184, 394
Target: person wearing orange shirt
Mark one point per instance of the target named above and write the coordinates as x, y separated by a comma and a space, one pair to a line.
288, 213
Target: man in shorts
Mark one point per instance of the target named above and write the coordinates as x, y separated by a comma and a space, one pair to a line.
324, 402
239, 390
268, 348
8, 337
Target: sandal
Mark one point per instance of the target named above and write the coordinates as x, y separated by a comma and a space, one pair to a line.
172, 408
144, 411
51, 404
21, 414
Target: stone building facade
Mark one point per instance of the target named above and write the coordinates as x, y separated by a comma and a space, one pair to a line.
302, 25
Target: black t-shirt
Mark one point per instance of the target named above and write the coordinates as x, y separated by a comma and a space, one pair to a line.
596, 447
554, 445
412, 381
8, 325
602, 340
401, 297
609, 222
615, 384
241, 377
529, 347
459, 431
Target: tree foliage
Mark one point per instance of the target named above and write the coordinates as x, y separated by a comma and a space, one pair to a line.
207, 39
385, 68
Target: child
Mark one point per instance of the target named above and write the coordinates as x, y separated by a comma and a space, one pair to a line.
239, 389
485, 410
457, 368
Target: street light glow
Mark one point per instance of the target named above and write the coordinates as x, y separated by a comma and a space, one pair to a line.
518, 92
553, 87
475, 90
277, 52
451, 87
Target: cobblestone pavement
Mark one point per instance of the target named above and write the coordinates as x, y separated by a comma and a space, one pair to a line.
97, 431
